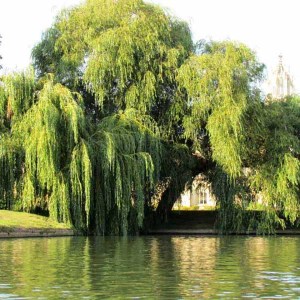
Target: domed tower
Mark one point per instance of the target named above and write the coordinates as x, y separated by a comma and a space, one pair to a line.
281, 82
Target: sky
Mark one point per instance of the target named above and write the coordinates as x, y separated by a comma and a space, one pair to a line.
269, 27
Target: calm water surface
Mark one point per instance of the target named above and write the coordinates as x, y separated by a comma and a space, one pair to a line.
150, 268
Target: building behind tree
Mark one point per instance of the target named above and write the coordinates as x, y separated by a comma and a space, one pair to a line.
281, 83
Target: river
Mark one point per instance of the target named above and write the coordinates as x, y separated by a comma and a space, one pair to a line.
159, 267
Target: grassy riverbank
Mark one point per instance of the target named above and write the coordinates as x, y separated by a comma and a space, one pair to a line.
24, 224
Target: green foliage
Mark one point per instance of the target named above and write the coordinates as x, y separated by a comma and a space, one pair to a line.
274, 173
10, 161
48, 60
219, 84
124, 53
79, 178
128, 99
178, 169
127, 161
57, 116
16, 95
277, 176
231, 211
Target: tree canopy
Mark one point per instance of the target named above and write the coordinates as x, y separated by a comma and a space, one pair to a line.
121, 103
124, 53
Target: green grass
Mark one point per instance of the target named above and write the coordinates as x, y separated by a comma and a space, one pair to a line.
12, 221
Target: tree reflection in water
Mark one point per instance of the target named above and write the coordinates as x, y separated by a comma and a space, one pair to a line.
151, 267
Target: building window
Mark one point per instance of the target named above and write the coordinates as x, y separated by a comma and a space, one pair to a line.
202, 196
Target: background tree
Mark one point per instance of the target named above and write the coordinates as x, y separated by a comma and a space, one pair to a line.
253, 144
276, 174
220, 83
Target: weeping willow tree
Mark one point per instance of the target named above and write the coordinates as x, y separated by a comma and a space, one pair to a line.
16, 97
253, 144
53, 160
276, 176
121, 56
48, 126
127, 165
121, 99
80, 145
124, 53
219, 84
